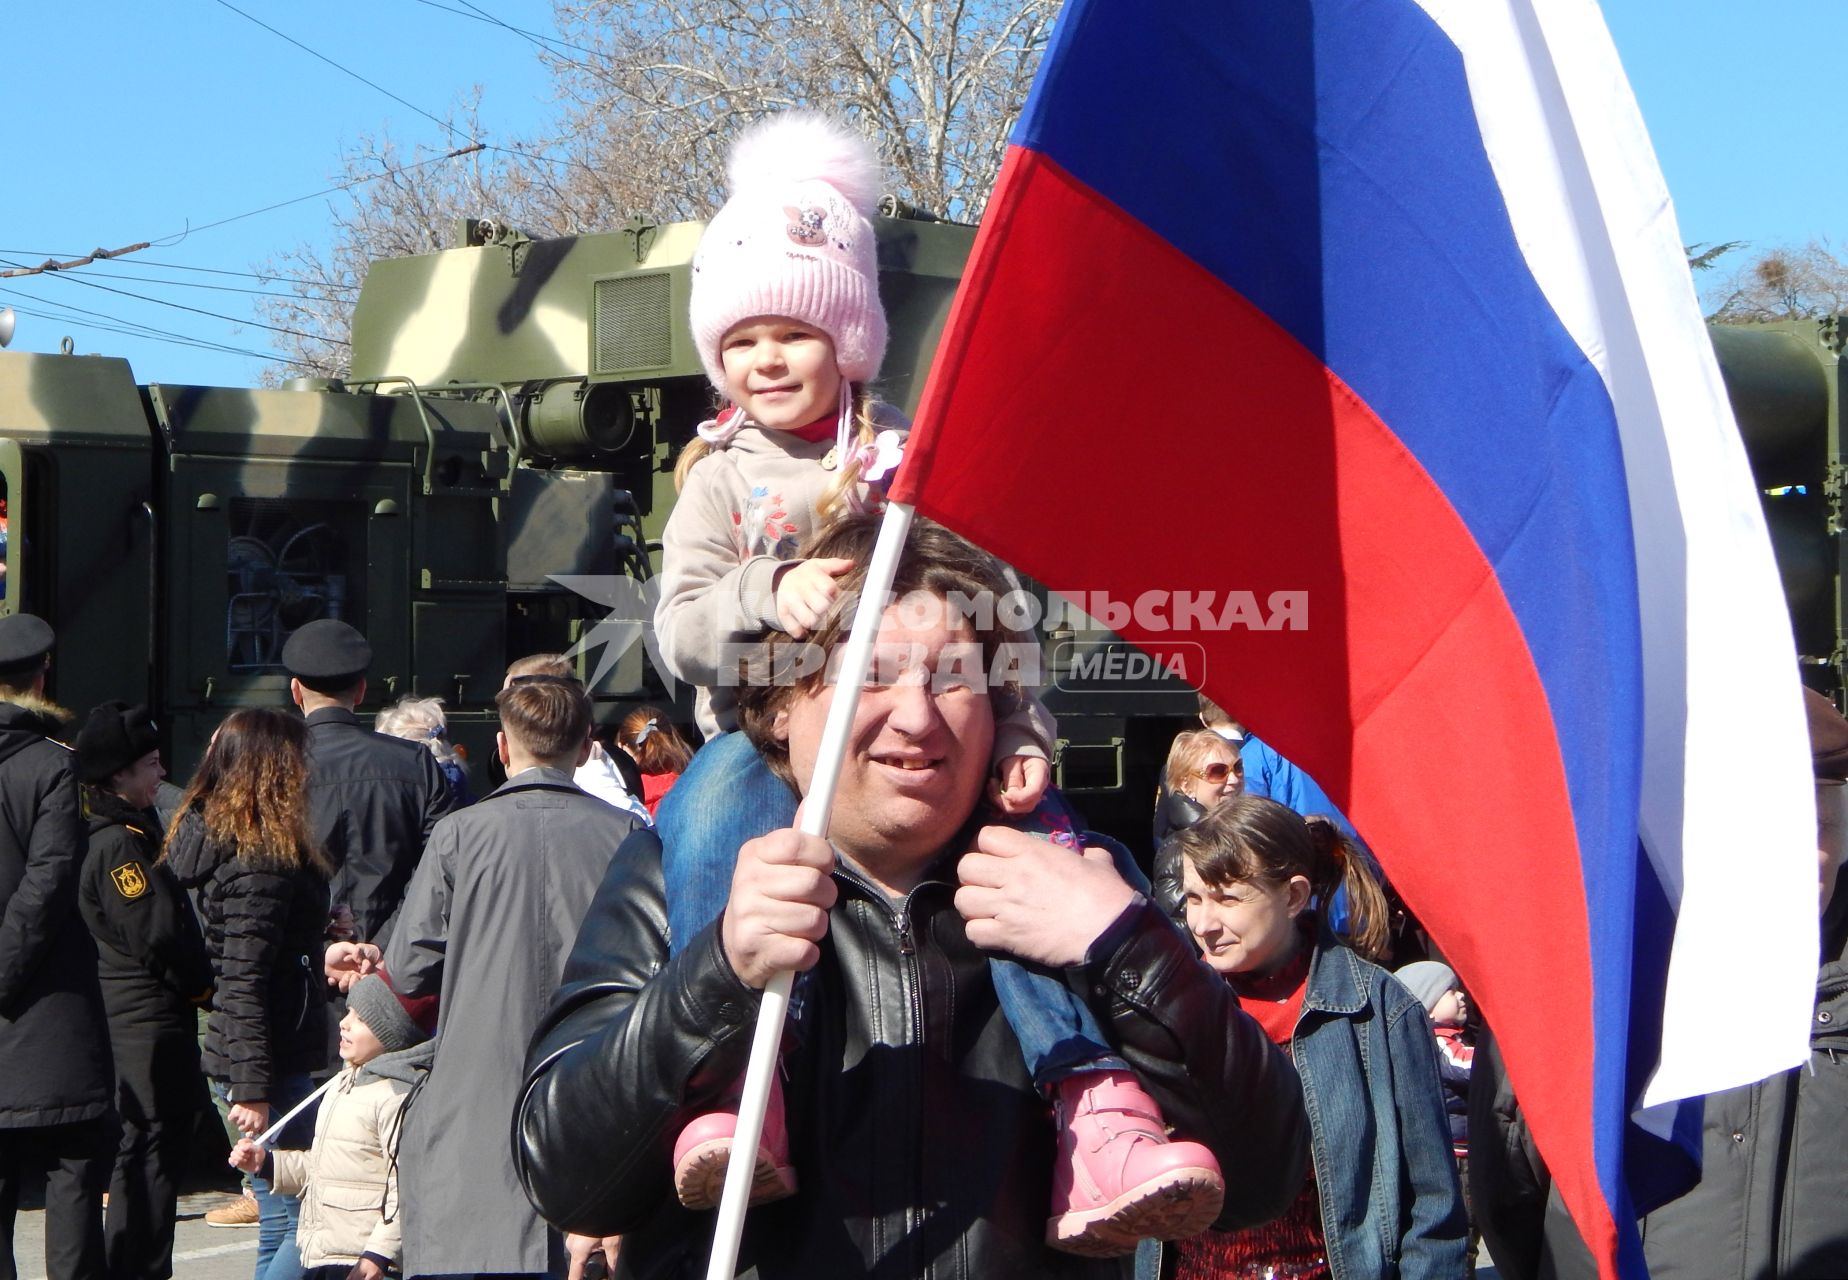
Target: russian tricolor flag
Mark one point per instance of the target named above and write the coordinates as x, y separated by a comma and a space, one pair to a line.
1384, 301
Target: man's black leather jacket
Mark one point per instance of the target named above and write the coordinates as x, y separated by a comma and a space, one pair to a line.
920, 1145
1179, 812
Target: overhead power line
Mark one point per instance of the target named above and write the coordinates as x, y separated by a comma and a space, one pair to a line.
468, 150
83, 317
200, 311
52, 265
482, 15
174, 340
232, 288
277, 277
347, 71
224, 271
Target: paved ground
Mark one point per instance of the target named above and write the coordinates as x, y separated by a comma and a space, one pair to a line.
226, 1253
199, 1252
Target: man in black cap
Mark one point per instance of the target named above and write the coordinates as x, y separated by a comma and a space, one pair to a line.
155, 974
57, 1084
372, 799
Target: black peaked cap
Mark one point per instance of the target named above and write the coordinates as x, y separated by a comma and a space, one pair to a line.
327, 651
24, 642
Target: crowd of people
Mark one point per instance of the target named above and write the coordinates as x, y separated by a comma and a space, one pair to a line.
1014, 1048
313, 901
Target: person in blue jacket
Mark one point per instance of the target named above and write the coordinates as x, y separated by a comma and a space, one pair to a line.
1267, 773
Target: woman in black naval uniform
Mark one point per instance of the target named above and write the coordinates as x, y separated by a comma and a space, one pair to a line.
152, 961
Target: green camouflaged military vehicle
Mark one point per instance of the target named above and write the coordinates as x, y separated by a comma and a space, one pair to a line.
491, 479
489, 482
1783, 378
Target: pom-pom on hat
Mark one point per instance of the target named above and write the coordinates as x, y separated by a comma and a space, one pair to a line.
114, 737
794, 240
1428, 980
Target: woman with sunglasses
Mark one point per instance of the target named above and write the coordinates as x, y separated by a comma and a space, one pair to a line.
1203, 771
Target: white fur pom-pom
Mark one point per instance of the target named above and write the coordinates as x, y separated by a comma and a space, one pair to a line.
802, 146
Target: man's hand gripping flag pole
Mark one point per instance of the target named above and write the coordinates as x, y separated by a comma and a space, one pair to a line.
856, 660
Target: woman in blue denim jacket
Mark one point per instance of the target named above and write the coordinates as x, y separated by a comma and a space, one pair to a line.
1384, 1200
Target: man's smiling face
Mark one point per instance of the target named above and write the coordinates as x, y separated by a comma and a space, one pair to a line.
919, 750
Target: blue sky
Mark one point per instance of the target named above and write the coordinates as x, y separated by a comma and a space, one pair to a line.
131, 122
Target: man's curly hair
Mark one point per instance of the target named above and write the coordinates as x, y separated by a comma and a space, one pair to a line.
251, 791
934, 561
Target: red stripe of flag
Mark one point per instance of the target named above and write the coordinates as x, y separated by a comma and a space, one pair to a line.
1194, 445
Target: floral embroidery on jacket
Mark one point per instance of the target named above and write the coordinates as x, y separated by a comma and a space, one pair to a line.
764, 527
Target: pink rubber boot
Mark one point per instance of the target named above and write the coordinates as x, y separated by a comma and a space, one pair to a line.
703, 1153
1118, 1179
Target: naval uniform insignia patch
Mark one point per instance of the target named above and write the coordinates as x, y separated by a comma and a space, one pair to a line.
129, 881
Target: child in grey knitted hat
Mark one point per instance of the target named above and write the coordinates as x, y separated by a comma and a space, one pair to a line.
1447, 1006
387, 1049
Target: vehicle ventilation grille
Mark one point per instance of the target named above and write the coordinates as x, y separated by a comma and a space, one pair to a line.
632, 327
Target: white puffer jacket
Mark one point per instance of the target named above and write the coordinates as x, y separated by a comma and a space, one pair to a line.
348, 1181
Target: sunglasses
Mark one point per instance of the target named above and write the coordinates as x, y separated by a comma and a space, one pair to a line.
570, 682
1216, 772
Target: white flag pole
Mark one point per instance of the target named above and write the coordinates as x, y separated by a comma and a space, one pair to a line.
856, 659
270, 1134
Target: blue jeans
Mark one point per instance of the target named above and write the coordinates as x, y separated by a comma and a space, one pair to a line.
728, 795
278, 1256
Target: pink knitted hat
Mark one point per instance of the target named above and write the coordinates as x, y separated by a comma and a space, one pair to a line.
794, 240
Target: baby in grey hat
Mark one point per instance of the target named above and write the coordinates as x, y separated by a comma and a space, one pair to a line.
1447, 1006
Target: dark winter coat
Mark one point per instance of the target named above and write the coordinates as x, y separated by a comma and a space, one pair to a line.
151, 959
1508, 1181
1773, 1193
920, 1144
1773, 1182
372, 800
265, 930
54, 1044
150, 953
1177, 813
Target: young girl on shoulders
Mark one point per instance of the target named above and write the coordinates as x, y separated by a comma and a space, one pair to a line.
1383, 1199
786, 316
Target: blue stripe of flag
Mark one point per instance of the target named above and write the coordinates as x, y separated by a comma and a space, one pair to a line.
1324, 161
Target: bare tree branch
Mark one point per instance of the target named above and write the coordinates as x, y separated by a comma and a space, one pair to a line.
1779, 284
650, 96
